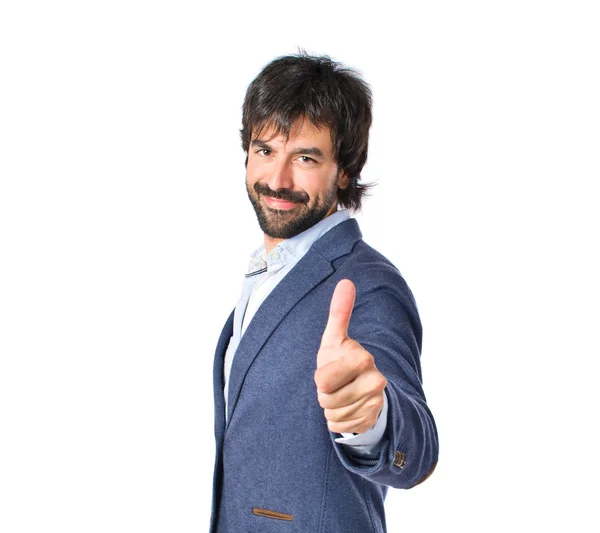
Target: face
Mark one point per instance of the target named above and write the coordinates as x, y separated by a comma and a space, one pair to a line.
292, 183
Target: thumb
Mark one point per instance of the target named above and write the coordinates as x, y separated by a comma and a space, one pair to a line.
340, 311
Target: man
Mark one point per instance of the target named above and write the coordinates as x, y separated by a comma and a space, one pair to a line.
318, 398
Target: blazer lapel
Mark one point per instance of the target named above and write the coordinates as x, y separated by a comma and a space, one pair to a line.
311, 270
289, 291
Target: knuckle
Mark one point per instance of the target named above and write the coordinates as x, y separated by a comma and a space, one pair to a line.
381, 383
375, 403
324, 387
321, 380
327, 401
364, 361
331, 415
322, 399
317, 377
362, 426
334, 427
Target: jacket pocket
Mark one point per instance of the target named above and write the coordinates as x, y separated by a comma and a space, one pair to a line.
271, 514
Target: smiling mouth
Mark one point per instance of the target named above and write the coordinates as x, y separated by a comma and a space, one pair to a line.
275, 203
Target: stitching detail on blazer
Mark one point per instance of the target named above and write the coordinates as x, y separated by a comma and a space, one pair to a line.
271, 514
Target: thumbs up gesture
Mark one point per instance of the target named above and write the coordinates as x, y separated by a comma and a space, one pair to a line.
349, 386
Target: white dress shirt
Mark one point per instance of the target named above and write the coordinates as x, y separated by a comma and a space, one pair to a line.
264, 273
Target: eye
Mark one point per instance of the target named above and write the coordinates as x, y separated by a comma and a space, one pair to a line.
264, 152
306, 159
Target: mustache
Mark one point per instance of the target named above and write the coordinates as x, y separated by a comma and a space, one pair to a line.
297, 197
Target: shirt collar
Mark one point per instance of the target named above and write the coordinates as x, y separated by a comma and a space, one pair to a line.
291, 250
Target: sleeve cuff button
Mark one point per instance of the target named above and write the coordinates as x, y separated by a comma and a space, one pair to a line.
399, 459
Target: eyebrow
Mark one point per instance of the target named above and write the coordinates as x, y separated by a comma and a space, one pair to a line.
313, 150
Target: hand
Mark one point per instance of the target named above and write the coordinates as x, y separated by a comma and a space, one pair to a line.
349, 386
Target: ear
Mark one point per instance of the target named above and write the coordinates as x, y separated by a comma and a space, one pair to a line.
344, 180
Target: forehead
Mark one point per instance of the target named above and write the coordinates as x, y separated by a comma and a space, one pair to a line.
303, 133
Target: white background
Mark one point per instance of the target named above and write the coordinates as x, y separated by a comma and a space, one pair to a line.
125, 230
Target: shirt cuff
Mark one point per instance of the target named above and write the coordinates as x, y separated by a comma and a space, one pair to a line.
368, 443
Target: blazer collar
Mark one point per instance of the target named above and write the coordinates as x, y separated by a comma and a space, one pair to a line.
311, 270
339, 240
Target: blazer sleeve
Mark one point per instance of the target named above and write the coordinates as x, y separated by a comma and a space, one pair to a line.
385, 321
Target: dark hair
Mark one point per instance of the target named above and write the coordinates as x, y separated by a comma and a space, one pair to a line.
327, 94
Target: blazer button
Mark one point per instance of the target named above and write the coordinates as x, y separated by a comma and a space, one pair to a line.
399, 459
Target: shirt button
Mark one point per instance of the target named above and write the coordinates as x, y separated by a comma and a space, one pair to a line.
275, 256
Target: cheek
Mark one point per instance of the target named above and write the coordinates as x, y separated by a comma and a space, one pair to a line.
254, 171
319, 184
251, 177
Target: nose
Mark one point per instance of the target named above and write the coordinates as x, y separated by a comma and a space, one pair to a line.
281, 176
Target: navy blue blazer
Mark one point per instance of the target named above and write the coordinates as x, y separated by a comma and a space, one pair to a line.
278, 467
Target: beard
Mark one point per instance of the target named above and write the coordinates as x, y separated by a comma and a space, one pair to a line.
285, 224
